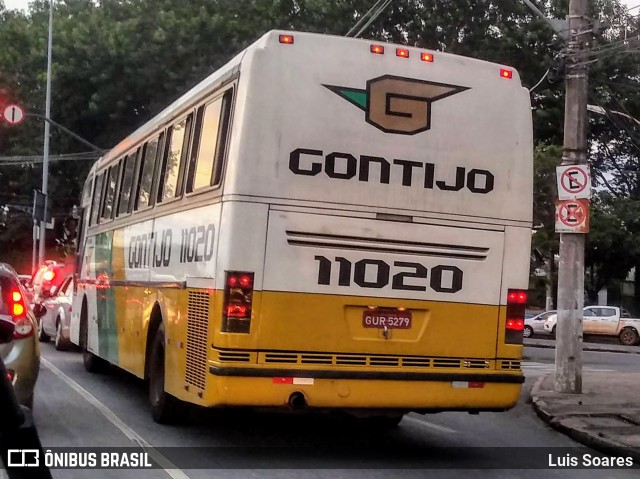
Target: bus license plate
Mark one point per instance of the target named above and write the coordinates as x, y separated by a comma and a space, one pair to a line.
390, 319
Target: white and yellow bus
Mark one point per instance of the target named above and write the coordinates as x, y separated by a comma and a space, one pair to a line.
324, 222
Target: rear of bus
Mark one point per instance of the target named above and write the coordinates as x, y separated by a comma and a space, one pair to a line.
375, 230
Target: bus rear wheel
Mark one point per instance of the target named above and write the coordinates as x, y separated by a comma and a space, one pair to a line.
164, 407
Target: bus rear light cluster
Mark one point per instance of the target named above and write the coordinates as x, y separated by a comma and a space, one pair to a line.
514, 324
238, 297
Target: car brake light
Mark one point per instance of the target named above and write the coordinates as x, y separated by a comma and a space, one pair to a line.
238, 297
514, 325
48, 275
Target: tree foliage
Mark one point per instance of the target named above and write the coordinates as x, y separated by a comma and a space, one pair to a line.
119, 62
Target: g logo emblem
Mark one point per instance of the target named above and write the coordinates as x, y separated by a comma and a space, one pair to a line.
398, 105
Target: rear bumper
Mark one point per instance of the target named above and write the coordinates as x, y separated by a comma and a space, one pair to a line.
24, 360
362, 390
371, 375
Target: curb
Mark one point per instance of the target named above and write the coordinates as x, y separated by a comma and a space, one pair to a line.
594, 441
584, 348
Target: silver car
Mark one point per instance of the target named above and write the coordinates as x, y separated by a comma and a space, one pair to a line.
55, 315
535, 324
22, 355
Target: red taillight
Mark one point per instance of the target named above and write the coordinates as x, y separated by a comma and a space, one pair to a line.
426, 57
16, 296
504, 73
402, 52
514, 324
377, 49
238, 297
286, 39
516, 296
17, 309
48, 275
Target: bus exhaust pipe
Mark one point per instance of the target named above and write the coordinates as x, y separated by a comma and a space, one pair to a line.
297, 401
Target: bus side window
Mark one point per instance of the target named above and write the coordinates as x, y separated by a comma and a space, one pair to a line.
110, 191
212, 124
172, 168
126, 182
145, 176
97, 199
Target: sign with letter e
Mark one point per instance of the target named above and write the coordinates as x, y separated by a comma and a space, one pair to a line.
572, 216
574, 182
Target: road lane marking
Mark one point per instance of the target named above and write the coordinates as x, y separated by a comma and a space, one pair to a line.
170, 468
430, 425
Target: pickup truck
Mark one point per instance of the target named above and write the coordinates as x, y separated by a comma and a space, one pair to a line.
604, 321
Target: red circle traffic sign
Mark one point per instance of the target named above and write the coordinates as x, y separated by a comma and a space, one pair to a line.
572, 214
574, 180
13, 114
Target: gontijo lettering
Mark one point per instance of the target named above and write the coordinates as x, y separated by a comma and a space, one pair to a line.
155, 248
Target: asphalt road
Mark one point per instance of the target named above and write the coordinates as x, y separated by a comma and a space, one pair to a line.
539, 361
76, 409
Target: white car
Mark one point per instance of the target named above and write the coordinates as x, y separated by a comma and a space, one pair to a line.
535, 324
55, 314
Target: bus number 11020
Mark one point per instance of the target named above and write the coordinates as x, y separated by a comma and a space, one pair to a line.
375, 273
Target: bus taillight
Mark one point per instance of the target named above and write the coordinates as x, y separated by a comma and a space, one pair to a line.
238, 295
514, 325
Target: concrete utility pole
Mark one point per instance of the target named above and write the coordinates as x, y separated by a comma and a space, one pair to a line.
571, 268
47, 133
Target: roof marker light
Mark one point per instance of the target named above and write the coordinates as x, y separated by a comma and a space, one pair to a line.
402, 52
426, 57
378, 49
504, 73
286, 39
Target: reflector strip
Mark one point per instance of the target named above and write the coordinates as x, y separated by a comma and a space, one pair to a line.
299, 381
467, 384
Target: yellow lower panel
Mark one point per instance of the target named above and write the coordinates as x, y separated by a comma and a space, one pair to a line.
365, 394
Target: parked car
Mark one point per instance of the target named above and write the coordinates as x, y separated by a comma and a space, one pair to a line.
22, 355
604, 321
535, 324
54, 316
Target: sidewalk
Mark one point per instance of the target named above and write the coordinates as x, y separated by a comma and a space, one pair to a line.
606, 416
602, 347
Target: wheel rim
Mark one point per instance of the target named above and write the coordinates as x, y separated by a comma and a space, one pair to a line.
628, 337
527, 332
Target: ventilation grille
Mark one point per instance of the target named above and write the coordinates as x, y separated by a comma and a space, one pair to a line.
373, 360
197, 334
511, 365
234, 357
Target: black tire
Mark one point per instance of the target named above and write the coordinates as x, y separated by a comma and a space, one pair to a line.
91, 362
629, 337
164, 407
527, 332
60, 343
553, 332
42, 336
29, 402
